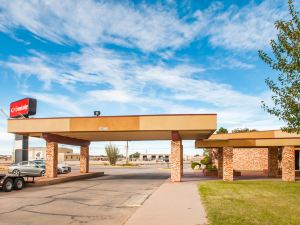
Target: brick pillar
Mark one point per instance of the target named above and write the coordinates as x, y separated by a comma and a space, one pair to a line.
227, 164
51, 159
84, 159
220, 162
288, 163
272, 161
176, 158
181, 159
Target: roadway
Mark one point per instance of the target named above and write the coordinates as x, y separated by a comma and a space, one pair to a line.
107, 200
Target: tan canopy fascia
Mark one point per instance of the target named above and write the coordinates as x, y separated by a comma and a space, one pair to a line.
119, 128
250, 140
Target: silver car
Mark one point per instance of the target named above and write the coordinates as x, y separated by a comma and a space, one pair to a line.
27, 168
61, 168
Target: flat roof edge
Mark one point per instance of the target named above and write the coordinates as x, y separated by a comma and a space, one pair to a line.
74, 117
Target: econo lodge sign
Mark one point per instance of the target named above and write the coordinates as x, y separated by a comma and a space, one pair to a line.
25, 107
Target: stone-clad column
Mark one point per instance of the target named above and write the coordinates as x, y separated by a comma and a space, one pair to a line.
51, 159
288, 163
84, 159
227, 164
176, 158
181, 160
220, 162
272, 161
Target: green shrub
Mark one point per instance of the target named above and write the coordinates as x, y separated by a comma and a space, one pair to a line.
112, 153
194, 164
128, 164
206, 160
211, 167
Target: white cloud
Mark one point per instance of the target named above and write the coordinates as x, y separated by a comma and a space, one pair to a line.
247, 28
110, 96
129, 81
95, 65
179, 81
90, 22
148, 27
229, 62
153, 88
125, 80
34, 65
64, 104
6, 139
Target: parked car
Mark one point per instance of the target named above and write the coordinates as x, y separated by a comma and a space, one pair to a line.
61, 168
40, 162
26, 168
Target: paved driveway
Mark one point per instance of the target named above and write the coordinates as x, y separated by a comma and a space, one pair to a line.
111, 199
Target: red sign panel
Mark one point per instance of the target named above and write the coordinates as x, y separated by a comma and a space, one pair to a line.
24, 107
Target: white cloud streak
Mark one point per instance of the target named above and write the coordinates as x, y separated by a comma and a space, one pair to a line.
6, 139
60, 103
247, 28
126, 80
150, 28
90, 22
119, 79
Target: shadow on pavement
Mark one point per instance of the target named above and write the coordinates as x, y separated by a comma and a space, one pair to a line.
134, 176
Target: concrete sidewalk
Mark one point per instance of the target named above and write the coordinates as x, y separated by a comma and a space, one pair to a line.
171, 204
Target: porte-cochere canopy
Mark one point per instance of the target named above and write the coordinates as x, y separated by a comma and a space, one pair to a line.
83, 130
251, 139
275, 140
119, 128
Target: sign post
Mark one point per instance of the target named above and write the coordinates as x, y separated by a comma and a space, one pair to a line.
20, 148
22, 109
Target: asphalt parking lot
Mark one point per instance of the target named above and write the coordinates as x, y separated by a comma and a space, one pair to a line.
107, 200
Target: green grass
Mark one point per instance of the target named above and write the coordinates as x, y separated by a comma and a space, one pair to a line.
251, 202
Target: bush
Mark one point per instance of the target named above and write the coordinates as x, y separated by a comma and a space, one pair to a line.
194, 164
135, 155
206, 160
112, 153
129, 164
211, 167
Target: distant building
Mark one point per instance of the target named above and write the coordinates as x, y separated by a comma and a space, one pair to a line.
5, 158
71, 157
154, 157
40, 153
64, 154
160, 157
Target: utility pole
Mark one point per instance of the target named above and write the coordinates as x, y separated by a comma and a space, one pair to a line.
146, 154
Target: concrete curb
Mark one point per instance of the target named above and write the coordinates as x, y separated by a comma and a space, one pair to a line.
68, 178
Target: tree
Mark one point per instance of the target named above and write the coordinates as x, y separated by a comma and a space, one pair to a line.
242, 130
286, 60
222, 130
135, 155
210, 155
207, 159
112, 153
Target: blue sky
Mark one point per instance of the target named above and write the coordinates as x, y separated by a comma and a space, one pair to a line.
138, 57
